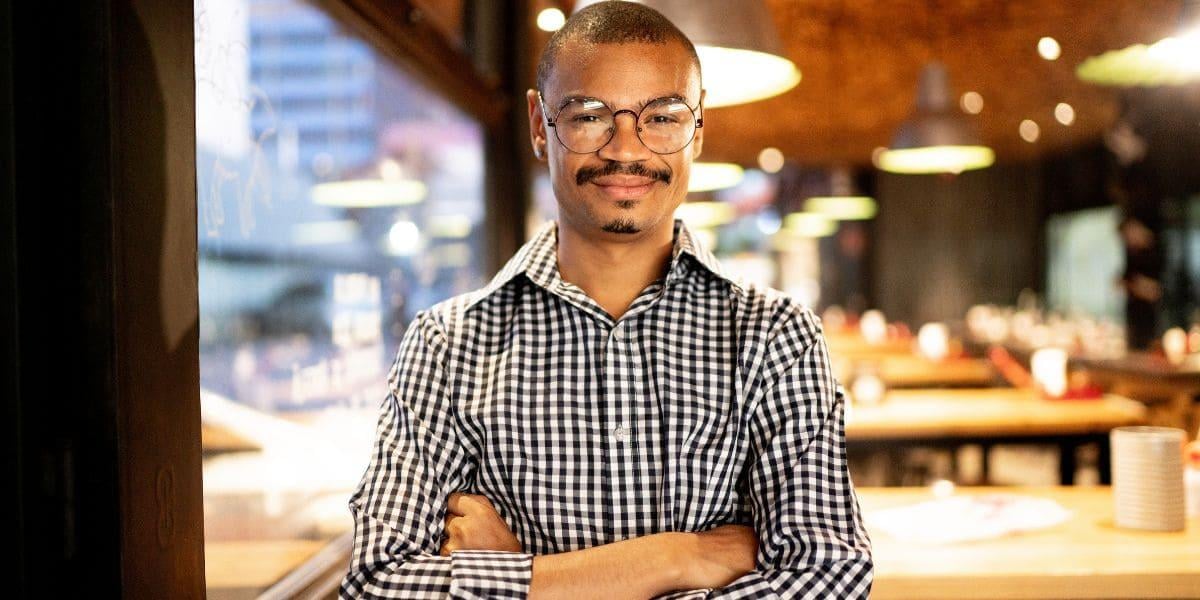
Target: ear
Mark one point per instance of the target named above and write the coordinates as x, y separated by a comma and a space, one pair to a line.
537, 125
698, 140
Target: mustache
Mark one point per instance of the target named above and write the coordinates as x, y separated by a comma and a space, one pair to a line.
637, 169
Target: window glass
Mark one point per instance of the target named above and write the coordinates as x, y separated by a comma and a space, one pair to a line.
1084, 263
337, 197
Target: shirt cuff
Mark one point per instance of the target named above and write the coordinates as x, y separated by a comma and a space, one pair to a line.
697, 594
483, 574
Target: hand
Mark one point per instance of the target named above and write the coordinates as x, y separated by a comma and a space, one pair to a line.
473, 524
719, 556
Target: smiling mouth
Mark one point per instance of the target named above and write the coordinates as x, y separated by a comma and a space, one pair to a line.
625, 191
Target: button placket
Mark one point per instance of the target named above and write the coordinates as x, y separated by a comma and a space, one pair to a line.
621, 433
618, 332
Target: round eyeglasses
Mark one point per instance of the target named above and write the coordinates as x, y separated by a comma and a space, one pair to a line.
585, 125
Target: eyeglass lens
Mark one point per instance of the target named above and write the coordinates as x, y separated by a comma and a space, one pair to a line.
665, 125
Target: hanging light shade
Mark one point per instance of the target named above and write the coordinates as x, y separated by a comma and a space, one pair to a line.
368, 193
384, 184
936, 138
706, 177
804, 224
706, 215
1170, 61
842, 203
741, 57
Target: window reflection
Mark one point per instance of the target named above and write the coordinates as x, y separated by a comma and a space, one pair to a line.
336, 197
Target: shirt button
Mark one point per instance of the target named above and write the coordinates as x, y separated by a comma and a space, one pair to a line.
618, 332
621, 434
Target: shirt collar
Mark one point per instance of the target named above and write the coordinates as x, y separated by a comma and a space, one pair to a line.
537, 259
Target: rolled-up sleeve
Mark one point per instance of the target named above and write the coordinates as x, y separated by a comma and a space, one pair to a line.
400, 504
812, 542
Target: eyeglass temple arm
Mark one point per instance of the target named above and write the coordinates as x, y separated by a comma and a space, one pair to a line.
542, 103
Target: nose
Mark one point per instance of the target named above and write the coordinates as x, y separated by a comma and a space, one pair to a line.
625, 145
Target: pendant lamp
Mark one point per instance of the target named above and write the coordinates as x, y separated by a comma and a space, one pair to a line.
706, 177
741, 57
936, 138
1170, 61
842, 203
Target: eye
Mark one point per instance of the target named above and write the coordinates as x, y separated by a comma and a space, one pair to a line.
585, 119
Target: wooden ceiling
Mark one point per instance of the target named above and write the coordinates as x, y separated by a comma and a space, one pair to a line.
860, 61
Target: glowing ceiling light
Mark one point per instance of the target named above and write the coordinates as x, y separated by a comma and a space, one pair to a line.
842, 208
737, 76
809, 225
324, 232
703, 215
843, 202
368, 193
768, 222
551, 19
938, 159
935, 139
1064, 113
1029, 131
1048, 48
971, 103
404, 238
714, 176
1173, 60
877, 156
770, 160
449, 226
741, 57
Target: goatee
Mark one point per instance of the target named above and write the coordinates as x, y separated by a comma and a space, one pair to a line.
621, 226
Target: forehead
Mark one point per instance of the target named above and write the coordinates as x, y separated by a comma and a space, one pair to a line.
623, 73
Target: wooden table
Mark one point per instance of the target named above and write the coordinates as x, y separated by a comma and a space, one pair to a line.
912, 371
1148, 377
989, 416
1169, 390
236, 569
853, 345
217, 440
288, 568
1085, 557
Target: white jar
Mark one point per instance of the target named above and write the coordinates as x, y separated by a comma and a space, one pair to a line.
1191, 485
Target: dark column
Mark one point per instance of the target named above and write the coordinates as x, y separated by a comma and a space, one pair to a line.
100, 368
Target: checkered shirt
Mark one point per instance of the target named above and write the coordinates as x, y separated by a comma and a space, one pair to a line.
708, 402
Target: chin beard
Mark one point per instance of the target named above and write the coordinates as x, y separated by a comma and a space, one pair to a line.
621, 226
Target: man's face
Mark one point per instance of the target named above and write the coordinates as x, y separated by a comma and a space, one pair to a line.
624, 188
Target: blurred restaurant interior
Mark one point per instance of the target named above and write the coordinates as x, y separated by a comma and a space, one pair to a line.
994, 207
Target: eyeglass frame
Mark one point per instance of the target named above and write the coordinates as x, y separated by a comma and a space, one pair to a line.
637, 116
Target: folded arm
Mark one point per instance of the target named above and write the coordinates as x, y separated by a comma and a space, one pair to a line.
401, 504
653, 565
812, 542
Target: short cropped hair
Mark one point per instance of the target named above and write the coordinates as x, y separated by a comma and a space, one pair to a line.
612, 22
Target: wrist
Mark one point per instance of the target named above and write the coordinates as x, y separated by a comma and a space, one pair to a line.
678, 551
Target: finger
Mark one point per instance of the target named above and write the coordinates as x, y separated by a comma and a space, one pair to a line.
451, 527
454, 504
469, 504
446, 549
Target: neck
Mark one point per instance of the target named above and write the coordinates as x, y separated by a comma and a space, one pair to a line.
613, 273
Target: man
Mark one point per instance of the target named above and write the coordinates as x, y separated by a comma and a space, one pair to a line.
612, 416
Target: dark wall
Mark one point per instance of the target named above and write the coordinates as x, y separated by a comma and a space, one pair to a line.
100, 370
945, 243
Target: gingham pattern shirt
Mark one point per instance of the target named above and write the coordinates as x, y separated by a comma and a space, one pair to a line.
708, 402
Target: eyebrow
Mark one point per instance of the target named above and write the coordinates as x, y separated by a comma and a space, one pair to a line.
640, 105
